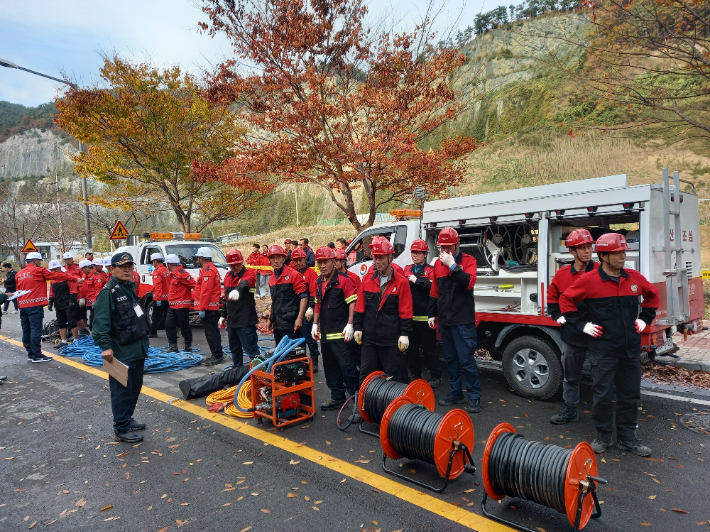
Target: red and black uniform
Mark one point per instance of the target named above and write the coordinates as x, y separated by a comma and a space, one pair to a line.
34, 279
309, 277
59, 300
287, 288
73, 308
161, 290
563, 279
333, 299
422, 342
383, 313
254, 258
180, 300
613, 303
241, 314
451, 301
209, 287
355, 278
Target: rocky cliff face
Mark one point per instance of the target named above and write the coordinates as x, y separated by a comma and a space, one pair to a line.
34, 153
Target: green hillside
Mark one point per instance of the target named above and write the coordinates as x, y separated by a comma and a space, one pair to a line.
16, 118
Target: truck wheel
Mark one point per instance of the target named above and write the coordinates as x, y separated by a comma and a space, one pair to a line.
532, 367
149, 313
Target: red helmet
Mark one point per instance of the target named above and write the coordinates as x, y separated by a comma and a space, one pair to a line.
338, 254
324, 253
448, 237
579, 237
234, 256
381, 246
275, 250
611, 242
419, 245
298, 253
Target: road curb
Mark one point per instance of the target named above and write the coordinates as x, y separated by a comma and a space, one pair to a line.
692, 364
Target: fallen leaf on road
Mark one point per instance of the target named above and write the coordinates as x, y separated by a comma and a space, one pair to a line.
317, 502
226, 504
678, 510
180, 523
184, 504
247, 463
307, 498
541, 529
376, 491
304, 482
33, 525
169, 499
149, 508
652, 497
164, 495
294, 462
106, 507
164, 529
174, 446
342, 481
363, 461
81, 502
112, 519
245, 529
228, 489
292, 495
240, 498
254, 494
266, 511
656, 481
470, 490
316, 508
51, 522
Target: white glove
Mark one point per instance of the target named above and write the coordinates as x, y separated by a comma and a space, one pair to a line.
358, 336
222, 323
412, 278
348, 332
403, 343
446, 258
309, 314
314, 332
593, 330
561, 320
640, 325
82, 302
432, 323
234, 295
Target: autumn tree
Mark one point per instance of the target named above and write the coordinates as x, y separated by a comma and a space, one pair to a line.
334, 104
144, 128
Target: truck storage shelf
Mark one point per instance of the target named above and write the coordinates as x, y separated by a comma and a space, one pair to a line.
495, 293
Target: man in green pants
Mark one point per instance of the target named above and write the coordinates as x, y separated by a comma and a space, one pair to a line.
121, 330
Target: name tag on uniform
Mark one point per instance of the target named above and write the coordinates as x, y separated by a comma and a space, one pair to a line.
139, 310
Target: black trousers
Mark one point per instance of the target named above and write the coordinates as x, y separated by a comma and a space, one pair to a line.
339, 366
623, 375
214, 339
178, 317
380, 357
124, 398
280, 333
159, 313
422, 352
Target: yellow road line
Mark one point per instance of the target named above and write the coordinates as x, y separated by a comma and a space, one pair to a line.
379, 482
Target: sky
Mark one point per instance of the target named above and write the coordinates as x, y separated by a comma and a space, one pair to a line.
55, 36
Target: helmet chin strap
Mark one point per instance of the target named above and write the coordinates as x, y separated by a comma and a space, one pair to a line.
576, 256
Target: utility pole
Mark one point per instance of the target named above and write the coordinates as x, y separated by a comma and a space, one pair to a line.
87, 212
295, 193
59, 211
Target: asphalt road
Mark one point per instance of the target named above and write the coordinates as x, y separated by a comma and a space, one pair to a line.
202, 471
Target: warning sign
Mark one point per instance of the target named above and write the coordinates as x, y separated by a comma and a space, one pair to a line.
29, 247
119, 232
706, 274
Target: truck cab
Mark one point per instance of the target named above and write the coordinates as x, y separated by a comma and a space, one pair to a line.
184, 245
518, 240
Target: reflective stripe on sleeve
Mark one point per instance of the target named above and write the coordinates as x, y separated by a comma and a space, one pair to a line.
350, 299
420, 318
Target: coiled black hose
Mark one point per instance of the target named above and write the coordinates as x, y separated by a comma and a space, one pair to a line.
379, 393
529, 470
412, 430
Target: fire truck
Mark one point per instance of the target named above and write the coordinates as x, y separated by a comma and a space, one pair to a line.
518, 240
184, 245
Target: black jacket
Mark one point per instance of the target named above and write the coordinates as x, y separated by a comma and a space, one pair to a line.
10, 283
451, 297
242, 312
310, 258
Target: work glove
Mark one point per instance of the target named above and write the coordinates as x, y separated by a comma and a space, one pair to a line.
593, 330
158, 303
234, 295
222, 324
561, 320
150, 269
640, 325
446, 258
82, 302
309, 314
358, 336
412, 278
433, 323
314, 332
348, 332
202, 314
403, 343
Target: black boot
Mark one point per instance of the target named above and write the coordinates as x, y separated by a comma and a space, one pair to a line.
214, 360
188, 346
173, 348
128, 437
568, 415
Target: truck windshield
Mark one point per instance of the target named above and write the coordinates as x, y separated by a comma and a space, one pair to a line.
187, 251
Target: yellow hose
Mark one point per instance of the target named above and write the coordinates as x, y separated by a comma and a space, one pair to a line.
227, 397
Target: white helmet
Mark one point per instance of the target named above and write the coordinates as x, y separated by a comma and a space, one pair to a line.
97, 262
68, 255
172, 259
33, 256
54, 264
204, 252
84, 263
156, 256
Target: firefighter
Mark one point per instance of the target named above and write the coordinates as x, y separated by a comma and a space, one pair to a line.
239, 309
298, 263
73, 306
422, 346
85, 295
340, 261
614, 319
161, 290
34, 278
289, 296
452, 308
59, 298
383, 314
209, 287
579, 242
333, 325
180, 301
